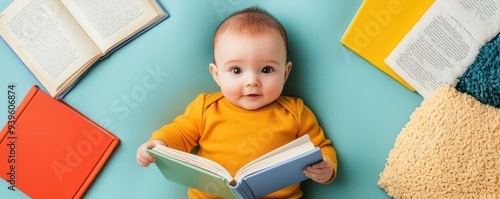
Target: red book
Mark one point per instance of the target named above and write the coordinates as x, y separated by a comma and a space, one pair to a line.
50, 150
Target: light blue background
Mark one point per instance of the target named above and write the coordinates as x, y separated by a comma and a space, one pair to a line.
361, 109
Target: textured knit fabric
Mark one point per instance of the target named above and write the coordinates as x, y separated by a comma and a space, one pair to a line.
482, 78
450, 148
232, 136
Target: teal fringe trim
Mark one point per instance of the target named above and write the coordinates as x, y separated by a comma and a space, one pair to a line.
482, 79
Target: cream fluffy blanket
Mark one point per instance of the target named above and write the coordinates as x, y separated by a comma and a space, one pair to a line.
450, 148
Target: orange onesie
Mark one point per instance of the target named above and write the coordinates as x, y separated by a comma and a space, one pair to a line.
232, 136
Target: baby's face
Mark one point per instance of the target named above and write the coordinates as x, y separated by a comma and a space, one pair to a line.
251, 70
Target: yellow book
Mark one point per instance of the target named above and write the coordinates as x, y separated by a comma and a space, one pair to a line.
378, 27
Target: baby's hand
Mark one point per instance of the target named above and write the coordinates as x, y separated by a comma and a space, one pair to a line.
321, 171
143, 157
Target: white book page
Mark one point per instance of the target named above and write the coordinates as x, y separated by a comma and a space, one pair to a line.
272, 160
109, 22
436, 51
47, 39
480, 17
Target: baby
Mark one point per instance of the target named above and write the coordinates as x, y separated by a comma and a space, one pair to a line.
249, 117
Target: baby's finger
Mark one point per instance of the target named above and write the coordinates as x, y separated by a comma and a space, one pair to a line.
316, 177
142, 163
319, 165
148, 157
313, 170
144, 159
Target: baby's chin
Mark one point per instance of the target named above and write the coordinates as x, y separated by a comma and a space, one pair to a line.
252, 106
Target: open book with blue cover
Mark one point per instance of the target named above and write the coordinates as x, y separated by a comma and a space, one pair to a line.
58, 40
273, 171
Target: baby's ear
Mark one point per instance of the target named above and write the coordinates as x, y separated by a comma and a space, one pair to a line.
214, 71
288, 68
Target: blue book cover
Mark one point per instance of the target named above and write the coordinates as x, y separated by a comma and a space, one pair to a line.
279, 176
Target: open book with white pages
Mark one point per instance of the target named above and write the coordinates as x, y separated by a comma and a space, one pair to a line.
444, 42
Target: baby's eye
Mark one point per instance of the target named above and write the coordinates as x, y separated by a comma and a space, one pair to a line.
236, 70
267, 69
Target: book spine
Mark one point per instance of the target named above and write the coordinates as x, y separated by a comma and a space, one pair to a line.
237, 191
246, 189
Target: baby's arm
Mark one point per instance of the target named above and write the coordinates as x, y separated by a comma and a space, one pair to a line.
326, 170
143, 157
320, 172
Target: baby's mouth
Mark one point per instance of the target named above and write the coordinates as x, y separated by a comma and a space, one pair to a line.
252, 96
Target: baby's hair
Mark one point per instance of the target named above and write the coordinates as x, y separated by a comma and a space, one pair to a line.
252, 21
